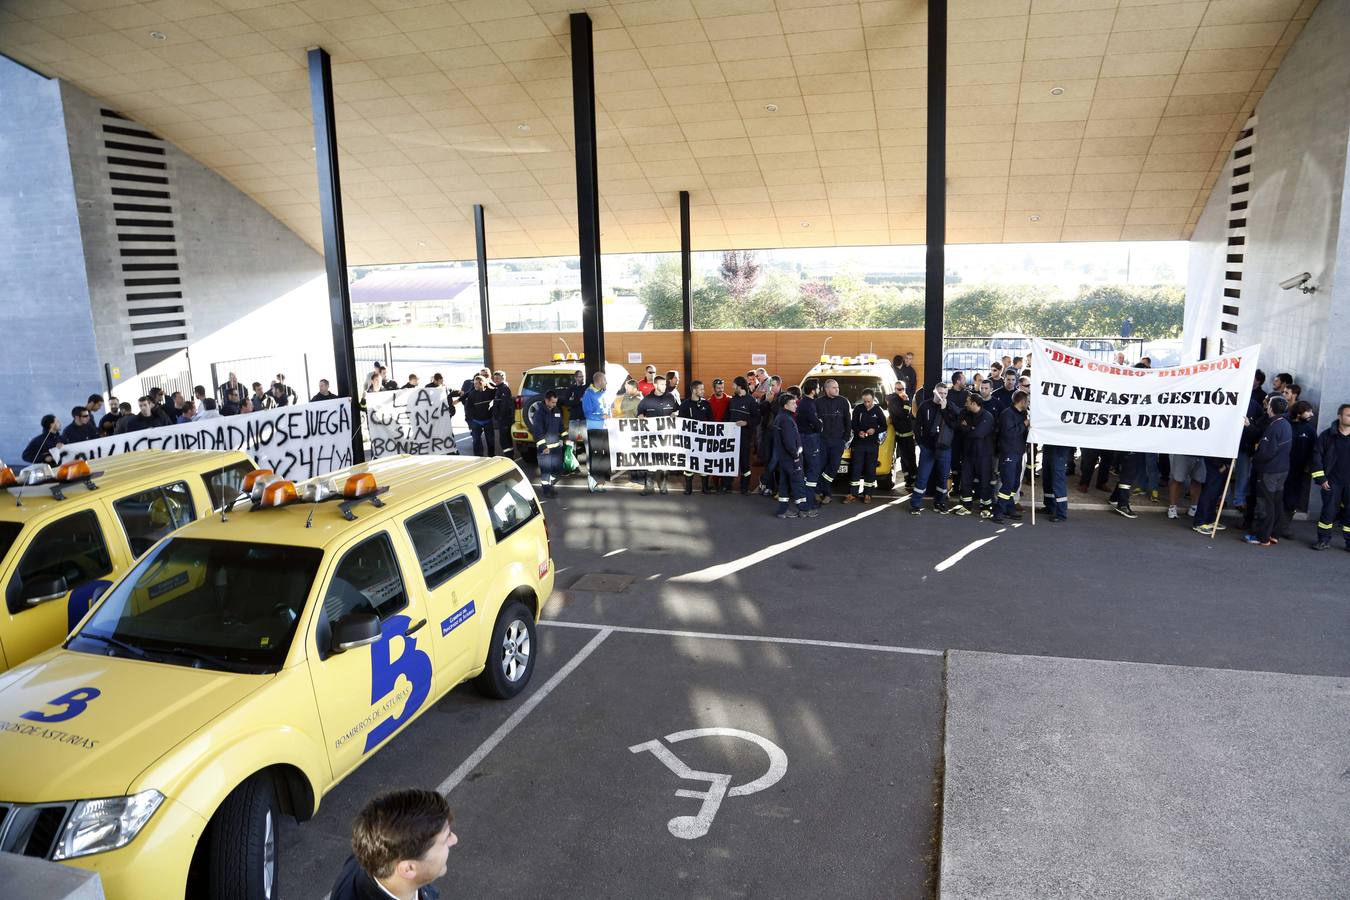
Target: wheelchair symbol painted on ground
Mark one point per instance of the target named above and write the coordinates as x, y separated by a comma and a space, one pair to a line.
719, 785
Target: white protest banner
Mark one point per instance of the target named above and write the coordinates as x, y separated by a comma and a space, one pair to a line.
296, 442
1195, 409
416, 421
670, 442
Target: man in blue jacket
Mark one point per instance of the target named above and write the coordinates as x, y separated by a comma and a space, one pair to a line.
810, 427
596, 410
869, 430
1270, 468
976, 433
1331, 474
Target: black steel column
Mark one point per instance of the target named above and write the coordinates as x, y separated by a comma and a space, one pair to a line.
484, 309
936, 203
588, 191
686, 289
334, 240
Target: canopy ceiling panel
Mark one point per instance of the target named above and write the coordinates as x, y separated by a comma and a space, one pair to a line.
791, 122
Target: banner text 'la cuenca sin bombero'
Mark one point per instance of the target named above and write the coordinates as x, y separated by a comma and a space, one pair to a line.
296, 442
1196, 409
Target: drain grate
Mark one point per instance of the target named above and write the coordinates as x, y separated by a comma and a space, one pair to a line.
603, 583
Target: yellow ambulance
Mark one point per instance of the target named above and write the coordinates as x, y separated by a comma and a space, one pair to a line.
856, 374
252, 660
67, 532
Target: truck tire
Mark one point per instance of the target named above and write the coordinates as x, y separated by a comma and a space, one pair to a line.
511, 652
244, 856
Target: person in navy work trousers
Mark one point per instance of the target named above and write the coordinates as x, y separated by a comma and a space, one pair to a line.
744, 411
1012, 445
869, 430
976, 435
788, 454
836, 427
810, 428
698, 408
546, 424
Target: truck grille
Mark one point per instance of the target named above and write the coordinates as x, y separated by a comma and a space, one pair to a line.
32, 830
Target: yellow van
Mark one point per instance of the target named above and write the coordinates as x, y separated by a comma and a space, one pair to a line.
66, 533
559, 375
252, 660
855, 374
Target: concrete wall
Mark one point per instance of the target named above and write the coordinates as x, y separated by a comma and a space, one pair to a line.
1204, 280
251, 286
1295, 217
48, 360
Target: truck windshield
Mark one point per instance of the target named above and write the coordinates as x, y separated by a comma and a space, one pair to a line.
540, 382
225, 605
852, 386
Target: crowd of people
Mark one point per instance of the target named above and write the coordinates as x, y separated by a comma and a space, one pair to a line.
963, 446
95, 419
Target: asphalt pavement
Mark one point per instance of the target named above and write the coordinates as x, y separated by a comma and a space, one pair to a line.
824, 638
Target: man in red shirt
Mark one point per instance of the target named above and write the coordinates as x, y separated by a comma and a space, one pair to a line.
719, 401
648, 382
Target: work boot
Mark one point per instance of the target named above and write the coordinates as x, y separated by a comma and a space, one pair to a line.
998, 519
851, 498
825, 498
867, 498
1014, 515
961, 510
810, 513
788, 513
1124, 509
942, 508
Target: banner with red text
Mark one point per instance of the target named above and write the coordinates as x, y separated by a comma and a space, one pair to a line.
1196, 409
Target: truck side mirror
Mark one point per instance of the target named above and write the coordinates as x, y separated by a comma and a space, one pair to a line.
42, 589
354, 630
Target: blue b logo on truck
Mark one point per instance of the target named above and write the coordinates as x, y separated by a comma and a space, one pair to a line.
75, 702
412, 664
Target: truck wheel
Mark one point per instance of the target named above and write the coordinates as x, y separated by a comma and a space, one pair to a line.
244, 852
511, 652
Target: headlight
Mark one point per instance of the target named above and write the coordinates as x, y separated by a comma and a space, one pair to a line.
99, 825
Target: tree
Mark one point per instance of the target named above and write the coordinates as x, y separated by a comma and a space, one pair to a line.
739, 271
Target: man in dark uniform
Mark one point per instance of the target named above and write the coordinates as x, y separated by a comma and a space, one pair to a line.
1331, 474
1002, 396
934, 436
503, 414
744, 411
478, 410
956, 406
656, 405
698, 408
571, 397
904, 371
792, 501
836, 427
977, 427
546, 424
1012, 445
401, 842
810, 426
902, 420
869, 430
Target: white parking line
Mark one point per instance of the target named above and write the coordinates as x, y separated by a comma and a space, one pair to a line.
754, 638
962, 553
449, 784
713, 573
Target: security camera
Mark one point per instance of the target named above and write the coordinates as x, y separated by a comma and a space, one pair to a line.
1298, 281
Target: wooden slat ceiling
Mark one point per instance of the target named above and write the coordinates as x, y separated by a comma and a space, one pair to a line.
791, 122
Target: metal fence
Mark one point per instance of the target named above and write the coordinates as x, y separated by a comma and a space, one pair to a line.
129, 389
454, 361
264, 370
974, 353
